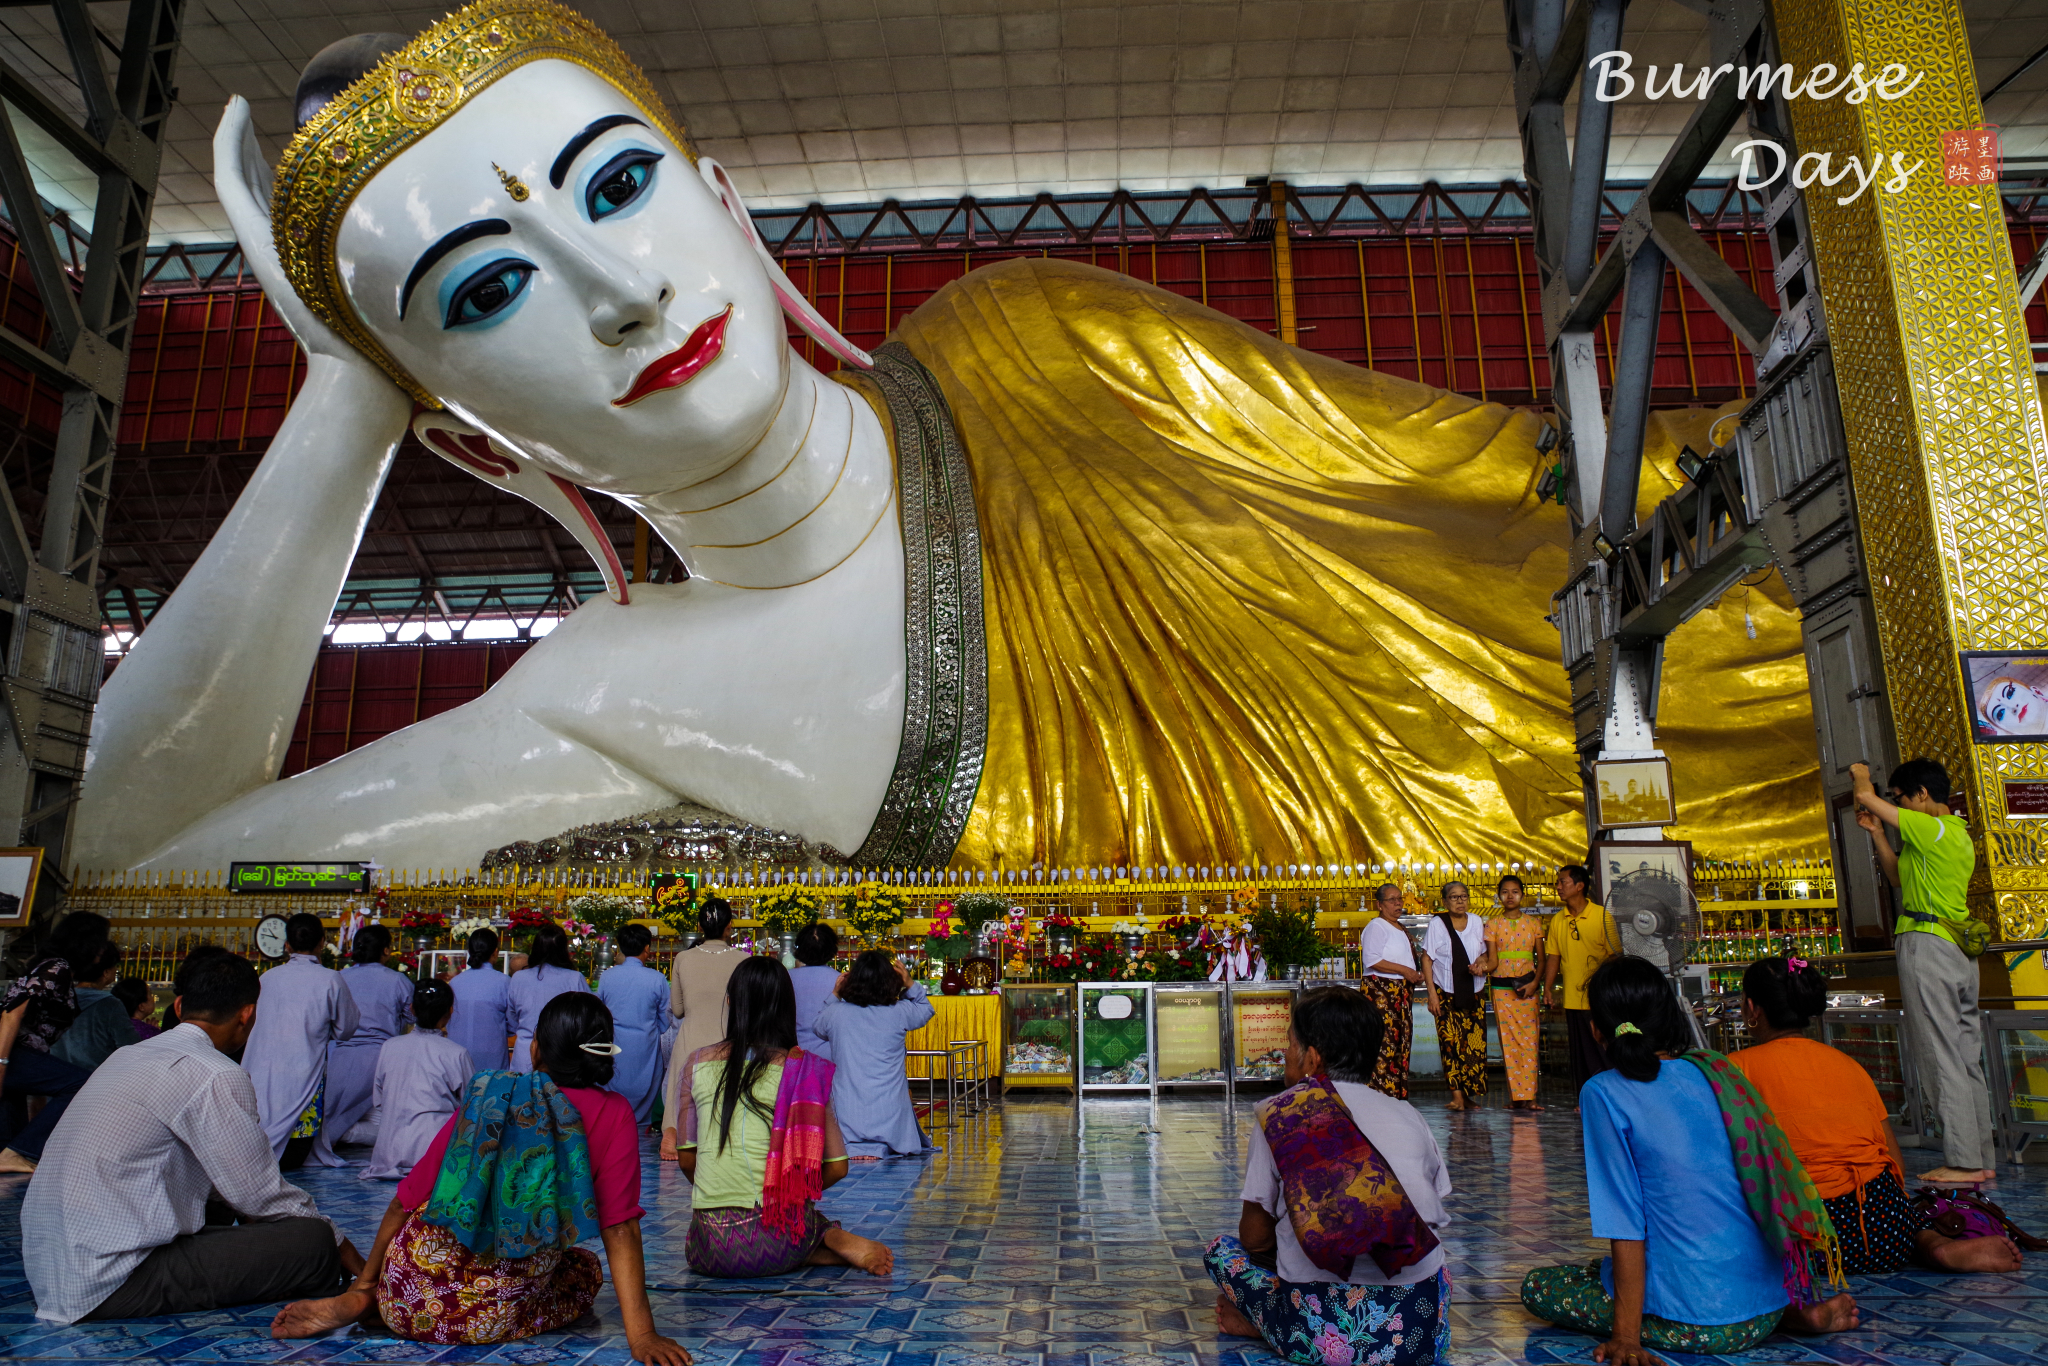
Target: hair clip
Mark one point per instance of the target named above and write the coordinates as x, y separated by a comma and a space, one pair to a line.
1625, 1028
1797, 964
602, 1050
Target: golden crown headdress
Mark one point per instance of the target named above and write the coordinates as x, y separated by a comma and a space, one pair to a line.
398, 102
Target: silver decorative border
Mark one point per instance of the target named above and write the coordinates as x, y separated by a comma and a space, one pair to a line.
945, 694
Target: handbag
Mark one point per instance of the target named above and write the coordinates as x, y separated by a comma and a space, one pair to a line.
1967, 1214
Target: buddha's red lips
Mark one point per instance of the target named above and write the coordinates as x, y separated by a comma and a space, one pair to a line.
681, 365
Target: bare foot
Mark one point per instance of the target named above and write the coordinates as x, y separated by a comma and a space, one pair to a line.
311, 1318
865, 1253
1837, 1315
1229, 1320
12, 1161
1969, 1254
1957, 1176
668, 1145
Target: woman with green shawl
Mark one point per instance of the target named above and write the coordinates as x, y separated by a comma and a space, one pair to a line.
1713, 1222
480, 1243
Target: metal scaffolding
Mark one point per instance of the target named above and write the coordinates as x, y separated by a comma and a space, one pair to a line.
1775, 492
48, 603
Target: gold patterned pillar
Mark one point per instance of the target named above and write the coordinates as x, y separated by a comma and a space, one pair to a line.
1947, 453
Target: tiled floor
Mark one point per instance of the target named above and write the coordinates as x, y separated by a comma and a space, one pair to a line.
1070, 1236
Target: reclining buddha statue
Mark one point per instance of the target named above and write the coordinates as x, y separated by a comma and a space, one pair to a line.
1072, 570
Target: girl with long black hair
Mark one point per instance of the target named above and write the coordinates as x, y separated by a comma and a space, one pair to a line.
759, 1141
1712, 1221
549, 973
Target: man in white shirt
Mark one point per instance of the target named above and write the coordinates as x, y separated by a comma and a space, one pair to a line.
116, 1222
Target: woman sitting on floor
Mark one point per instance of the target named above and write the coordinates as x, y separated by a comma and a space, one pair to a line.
775, 1142
876, 1010
1712, 1219
479, 1244
1336, 1259
1836, 1122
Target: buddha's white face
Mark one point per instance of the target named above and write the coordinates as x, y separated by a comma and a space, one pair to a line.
614, 324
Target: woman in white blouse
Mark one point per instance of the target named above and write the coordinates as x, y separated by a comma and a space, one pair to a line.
1390, 977
1455, 944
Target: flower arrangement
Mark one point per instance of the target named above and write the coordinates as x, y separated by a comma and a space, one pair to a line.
978, 908
941, 926
469, 925
529, 917
608, 913
580, 930
787, 909
1246, 899
873, 909
422, 918
1180, 964
1183, 927
1059, 922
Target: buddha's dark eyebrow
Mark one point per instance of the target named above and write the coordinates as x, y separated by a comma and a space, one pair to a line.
468, 232
560, 170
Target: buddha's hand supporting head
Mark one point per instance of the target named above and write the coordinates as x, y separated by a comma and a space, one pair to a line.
504, 217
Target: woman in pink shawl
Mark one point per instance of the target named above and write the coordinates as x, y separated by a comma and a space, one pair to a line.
758, 1140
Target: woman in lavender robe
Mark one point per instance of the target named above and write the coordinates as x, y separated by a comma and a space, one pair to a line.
383, 998
637, 996
420, 1080
875, 1011
480, 1023
552, 973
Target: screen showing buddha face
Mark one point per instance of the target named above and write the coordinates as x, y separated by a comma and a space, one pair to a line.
557, 272
2008, 696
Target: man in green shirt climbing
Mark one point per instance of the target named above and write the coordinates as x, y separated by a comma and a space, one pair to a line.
1936, 978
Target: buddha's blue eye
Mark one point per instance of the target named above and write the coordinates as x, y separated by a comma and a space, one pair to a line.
619, 182
488, 292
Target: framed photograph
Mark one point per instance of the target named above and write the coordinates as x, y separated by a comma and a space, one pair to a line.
2008, 695
1634, 792
19, 869
1647, 888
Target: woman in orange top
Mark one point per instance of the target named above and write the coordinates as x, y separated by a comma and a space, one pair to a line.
1837, 1124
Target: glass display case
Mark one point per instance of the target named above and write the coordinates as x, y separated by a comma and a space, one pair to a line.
1188, 1035
1874, 1038
1259, 1015
1116, 1036
2018, 1055
1038, 1034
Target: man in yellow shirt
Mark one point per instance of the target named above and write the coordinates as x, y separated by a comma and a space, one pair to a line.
1581, 937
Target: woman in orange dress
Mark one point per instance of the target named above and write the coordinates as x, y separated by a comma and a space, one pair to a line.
1513, 940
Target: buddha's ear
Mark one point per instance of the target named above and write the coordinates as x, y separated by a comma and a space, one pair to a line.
794, 303
460, 443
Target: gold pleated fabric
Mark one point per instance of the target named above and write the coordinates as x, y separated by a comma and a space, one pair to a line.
1248, 603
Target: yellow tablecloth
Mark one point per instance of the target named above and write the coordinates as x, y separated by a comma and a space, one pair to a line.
959, 1017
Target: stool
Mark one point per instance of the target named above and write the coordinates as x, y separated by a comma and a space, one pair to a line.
933, 1058
971, 1066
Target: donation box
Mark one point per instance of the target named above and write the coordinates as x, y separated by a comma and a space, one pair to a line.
1116, 1036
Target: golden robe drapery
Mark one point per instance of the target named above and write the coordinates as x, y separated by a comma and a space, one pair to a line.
1247, 603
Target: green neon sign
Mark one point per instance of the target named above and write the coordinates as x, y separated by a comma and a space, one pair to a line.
296, 879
